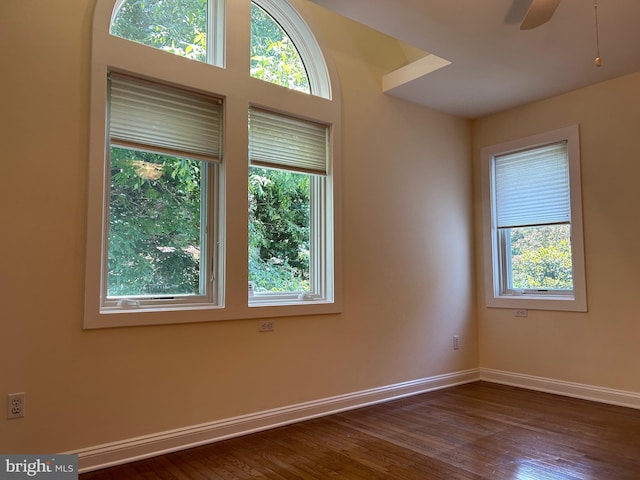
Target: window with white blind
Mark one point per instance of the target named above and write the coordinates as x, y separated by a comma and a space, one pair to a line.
533, 223
165, 145
289, 242
173, 234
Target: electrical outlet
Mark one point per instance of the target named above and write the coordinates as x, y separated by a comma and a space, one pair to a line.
456, 342
267, 326
521, 313
15, 405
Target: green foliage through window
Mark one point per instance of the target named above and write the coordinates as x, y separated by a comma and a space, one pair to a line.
279, 230
176, 26
541, 257
154, 224
155, 237
274, 57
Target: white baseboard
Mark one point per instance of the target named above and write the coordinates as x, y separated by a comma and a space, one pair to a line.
560, 387
125, 451
133, 449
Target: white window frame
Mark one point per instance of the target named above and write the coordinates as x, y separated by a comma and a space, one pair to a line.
231, 82
269, 154
209, 156
320, 266
496, 294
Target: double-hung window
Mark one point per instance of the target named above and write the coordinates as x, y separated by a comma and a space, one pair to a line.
533, 223
164, 147
287, 208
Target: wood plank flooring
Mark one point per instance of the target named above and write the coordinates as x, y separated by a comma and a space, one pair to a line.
474, 431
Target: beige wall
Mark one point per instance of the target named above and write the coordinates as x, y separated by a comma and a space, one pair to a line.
599, 347
406, 244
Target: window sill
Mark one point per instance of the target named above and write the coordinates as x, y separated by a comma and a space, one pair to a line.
146, 316
538, 302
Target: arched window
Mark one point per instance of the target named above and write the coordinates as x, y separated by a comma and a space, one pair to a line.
298, 36
274, 57
168, 154
282, 46
179, 27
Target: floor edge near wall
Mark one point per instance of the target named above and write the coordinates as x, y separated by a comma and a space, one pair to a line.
146, 446
610, 396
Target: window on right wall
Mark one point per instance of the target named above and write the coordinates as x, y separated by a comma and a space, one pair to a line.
532, 223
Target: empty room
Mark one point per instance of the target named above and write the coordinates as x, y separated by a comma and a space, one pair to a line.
321, 238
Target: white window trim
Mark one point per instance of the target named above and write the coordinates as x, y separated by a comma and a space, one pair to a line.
573, 301
239, 91
209, 275
269, 152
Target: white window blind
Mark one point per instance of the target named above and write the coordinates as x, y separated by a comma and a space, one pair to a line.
174, 121
280, 141
532, 187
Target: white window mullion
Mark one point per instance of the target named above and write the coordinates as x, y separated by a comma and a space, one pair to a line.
320, 239
216, 32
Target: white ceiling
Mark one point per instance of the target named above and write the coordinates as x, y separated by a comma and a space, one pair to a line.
495, 65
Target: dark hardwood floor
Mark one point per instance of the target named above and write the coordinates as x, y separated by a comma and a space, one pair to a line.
474, 431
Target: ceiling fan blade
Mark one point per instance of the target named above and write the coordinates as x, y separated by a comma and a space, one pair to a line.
539, 12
